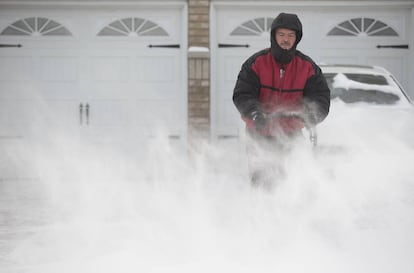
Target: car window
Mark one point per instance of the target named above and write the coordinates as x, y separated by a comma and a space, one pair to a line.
361, 95
367, 78
353, 88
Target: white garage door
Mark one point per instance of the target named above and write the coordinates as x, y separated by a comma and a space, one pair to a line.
104, 76
358, 35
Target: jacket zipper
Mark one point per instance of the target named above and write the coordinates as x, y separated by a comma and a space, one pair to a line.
282, 71
282, 75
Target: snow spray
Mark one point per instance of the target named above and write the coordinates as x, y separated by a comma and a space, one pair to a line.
156, 208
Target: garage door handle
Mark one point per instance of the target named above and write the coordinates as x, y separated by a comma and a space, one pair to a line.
81, 113
8, 45
165, 46
232, 45
87, 113
393, 46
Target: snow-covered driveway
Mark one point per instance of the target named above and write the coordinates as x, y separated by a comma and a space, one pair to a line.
348, 209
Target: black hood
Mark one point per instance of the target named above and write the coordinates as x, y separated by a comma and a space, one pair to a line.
289, 21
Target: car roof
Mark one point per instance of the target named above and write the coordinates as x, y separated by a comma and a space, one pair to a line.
346, 68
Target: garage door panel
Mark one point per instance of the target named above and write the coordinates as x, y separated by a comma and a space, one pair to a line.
18, 90
229, 118
392, 63
12, 119
58, 69
16, 68
18, 113
157, 69
110, 68
109, 137
157, 91
49, 115
157, 77
56, 91
44, 118
336, 58
108, 90
160, 115
230, 114
230, 69
112, 112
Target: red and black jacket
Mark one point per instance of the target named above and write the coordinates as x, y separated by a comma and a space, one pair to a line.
277, 80
266, 85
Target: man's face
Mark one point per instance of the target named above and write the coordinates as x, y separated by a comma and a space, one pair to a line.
285, 38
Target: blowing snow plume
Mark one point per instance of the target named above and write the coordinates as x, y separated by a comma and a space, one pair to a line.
342, 209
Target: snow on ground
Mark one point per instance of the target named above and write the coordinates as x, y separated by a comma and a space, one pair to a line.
346, 207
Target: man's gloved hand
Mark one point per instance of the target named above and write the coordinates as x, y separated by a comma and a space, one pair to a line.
311, 114
311, 119
259, 120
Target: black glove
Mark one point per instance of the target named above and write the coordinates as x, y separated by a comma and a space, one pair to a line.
259, 120
311, 119
311, 114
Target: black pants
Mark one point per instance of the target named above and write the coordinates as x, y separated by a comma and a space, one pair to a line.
266, 154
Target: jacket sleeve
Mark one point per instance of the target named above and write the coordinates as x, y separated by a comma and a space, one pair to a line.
317, 96
247, 89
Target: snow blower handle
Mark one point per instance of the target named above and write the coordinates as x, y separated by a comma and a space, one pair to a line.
313, 136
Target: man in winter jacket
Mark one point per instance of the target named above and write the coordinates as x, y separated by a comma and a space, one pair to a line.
279, 79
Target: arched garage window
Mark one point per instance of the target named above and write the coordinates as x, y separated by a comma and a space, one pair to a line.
36, 26
362, 27
132, 27
254, 27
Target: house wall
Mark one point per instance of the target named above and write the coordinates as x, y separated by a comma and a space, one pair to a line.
199, 114
198, 69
